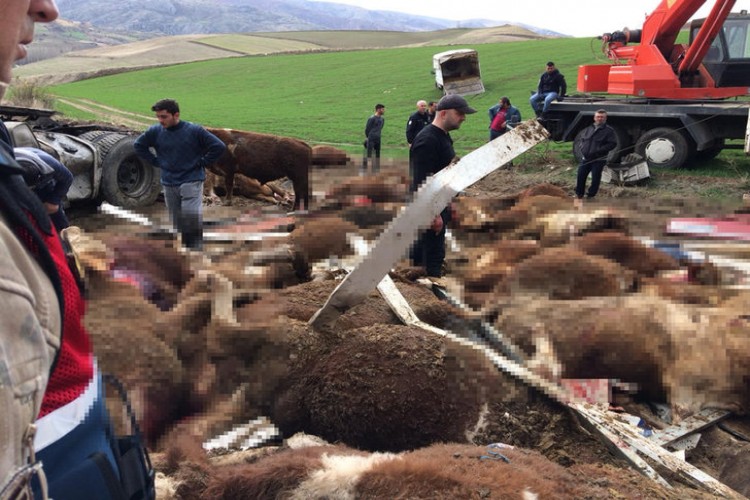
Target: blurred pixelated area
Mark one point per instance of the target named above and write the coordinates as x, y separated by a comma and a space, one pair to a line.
226, 373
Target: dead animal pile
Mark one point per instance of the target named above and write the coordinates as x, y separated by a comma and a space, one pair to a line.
579, 296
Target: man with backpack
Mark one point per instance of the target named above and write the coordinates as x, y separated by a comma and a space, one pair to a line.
56, 437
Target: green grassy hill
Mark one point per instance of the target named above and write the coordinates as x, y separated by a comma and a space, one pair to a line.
327, 97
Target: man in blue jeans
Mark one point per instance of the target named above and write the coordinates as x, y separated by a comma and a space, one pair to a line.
183, 151
551, 86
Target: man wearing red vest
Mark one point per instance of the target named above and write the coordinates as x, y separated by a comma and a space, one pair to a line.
45, 348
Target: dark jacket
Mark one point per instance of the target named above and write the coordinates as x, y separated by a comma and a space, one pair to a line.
512, 116
373, 128
417, 122
552, 82
594, 143
182, 151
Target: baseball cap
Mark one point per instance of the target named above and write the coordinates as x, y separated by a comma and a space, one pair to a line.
455, 101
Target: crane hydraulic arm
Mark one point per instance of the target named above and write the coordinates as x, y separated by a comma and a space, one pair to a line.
657, 66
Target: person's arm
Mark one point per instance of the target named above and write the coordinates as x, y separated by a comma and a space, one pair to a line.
610, 142
492, 112
368, 126
410, 132
425, 158
514, 118
213, 148
142, 146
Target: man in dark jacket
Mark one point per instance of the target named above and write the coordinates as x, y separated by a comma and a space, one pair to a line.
432, 152
373, 133
417, 121
551, 86
183, 151
593, 145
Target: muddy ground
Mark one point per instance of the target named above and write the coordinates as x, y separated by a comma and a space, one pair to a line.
537, 423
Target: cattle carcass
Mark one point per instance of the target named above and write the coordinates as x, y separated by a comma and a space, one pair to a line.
328, 155
246, 186
441, 471
264, 157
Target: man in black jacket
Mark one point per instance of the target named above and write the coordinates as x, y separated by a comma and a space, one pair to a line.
593, 145
551, 86
432, 151
417, 121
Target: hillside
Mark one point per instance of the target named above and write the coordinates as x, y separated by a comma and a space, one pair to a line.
165, 51
183, 17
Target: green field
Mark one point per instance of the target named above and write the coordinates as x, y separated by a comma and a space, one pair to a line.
327, 97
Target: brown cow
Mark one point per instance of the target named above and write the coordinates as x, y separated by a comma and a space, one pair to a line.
248, 187
264, 157
328, 155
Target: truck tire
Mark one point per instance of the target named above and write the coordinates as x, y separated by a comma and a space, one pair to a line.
663, 147
712, 152
127, 180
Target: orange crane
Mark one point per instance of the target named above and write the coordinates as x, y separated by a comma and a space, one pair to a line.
659, 67
668, 102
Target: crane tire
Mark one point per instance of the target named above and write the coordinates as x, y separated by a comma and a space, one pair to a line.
664, 147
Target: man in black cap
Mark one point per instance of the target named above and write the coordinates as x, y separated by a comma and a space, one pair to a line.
432, 151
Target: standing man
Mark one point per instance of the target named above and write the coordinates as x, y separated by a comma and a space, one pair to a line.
49, 375
373, 131
431, 110
31, 295
511, 117
551, 86
417, 121
593, 145
183, 151
432, 151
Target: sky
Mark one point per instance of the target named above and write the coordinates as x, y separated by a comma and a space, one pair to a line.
579, 18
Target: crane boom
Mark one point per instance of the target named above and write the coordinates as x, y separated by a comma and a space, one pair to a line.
658, 67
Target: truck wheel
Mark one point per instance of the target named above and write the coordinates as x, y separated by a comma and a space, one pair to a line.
712, 152
127, 180
663, 147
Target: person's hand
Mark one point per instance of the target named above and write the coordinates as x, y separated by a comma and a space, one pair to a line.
437, 224
560, 98
51, 207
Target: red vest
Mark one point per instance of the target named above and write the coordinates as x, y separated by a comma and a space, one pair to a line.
74, 368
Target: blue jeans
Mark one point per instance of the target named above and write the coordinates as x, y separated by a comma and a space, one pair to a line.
547, 97
185, 205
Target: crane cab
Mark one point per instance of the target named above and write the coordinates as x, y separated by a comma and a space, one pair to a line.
727, 61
